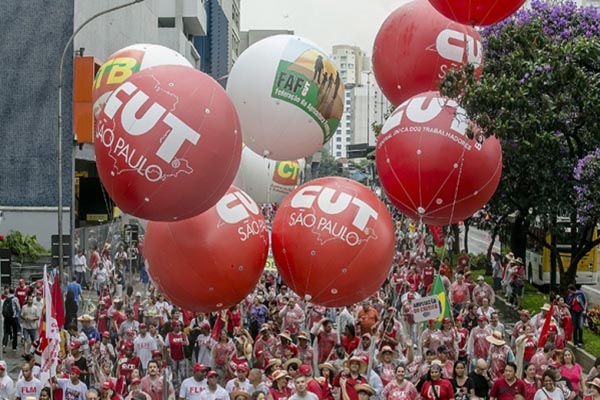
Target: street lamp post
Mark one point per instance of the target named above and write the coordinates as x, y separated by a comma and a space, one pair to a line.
60, 128
368, 108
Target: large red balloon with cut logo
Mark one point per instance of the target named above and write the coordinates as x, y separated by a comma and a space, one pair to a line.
333, 241
477, 12
212, 261
427, 165
168, 143
414, 48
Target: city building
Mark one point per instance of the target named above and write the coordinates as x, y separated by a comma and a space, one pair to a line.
220, 47
351, 62
248, 38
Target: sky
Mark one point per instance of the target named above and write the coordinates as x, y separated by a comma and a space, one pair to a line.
325, 22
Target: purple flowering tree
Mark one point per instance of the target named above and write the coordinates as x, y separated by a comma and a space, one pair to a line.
540, 94
587, 188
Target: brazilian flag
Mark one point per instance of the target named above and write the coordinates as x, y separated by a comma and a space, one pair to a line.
437, 289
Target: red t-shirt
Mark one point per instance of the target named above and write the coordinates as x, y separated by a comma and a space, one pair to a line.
350, 344
176, 341
501, 390
443, 388
21, 294
127, 365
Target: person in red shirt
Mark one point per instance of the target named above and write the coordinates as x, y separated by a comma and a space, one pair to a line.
508, 386
367, 318
351, 376
428, 274
175, 342
434, 382
349, 339
128, 363
21, 292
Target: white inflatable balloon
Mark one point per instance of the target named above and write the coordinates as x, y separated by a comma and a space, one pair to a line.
265, 180
123, 63
288, 95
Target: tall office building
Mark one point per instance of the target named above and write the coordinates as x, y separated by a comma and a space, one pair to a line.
248, 38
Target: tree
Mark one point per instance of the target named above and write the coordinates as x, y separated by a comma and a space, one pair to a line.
539, 95
328, 165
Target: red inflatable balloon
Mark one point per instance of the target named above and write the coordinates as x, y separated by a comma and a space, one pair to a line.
415, 47
477, 12
212, 261
168, 143
427, 165
333, 241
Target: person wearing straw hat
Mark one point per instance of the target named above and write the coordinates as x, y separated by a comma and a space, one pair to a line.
500, 354
594, 390
280, 389
240, 395
399, 387
266, 343
305, 350
351, 375
539, 319
387, 360
519, 328
364, 391
286, 348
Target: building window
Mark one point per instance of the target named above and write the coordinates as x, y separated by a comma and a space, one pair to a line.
338, 146
338, 139
166, 22
338, 153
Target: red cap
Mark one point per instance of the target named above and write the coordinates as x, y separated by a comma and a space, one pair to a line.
136, 381
75, 370
156, 353
128, 345
108, 385
210, 374
446, 321
552, 329
142, 326
175, 323
75, 345
197, 367
243, 367
130, 332
105, 334
305, 370
482, 318
92, 341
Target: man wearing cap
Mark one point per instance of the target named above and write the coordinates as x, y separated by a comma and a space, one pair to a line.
519, 328
73, 388
483, 290
175, 341
192, 387
128, 362
28, 386
213, 391
240, 382
477, 345
351, 376
204, 343
499, 354
129, 323
80, 362
305, 350
143, 346
7, 385
266, 343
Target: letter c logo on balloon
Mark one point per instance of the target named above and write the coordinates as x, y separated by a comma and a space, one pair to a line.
131, 99
305, 198
286, 173
452, 45
418, 112
235, 207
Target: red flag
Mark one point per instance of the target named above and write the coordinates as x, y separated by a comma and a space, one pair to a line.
57, 302
438, 235
546, 328
216, 331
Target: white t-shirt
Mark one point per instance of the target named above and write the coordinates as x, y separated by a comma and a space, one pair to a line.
219, 394
7, 387
191, 389
307, 396
71, 391
26, 389
543, 394
143, 348
246, 386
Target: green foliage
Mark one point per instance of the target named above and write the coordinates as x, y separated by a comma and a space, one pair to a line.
328, 165
538, 94
23, 246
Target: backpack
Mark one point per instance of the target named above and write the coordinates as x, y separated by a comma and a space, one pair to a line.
8, 308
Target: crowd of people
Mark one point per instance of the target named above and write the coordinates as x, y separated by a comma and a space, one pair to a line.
276, 345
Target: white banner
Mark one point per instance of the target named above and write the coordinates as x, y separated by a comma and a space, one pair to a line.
426, 308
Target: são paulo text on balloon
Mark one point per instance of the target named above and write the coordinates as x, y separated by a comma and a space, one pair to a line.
125, 62
333, 241
416, 46
477, 12
427, 165
289, 96
212, 261
158, 157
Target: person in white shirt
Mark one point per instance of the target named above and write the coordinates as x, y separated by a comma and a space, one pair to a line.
192, 387
28, 386
143, 346
30, 316
301, 390
80, 265
7, 385
240, 382
205, 344
73, 388
214, 391
38, 300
